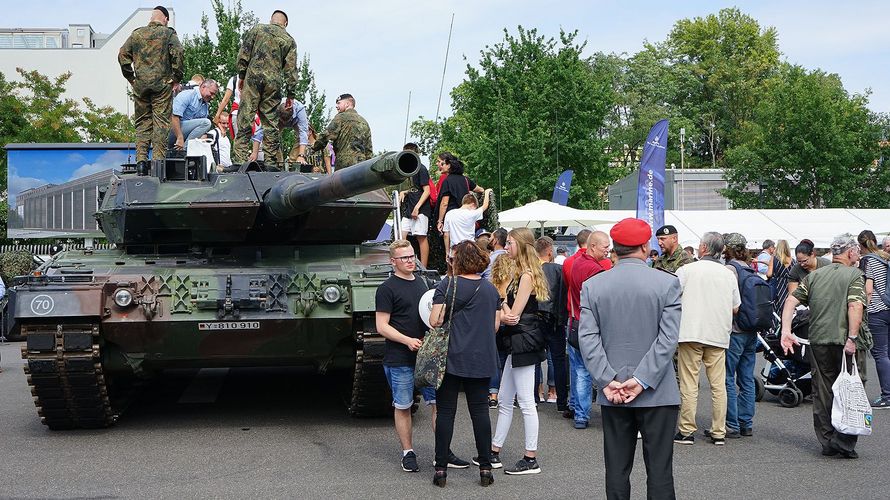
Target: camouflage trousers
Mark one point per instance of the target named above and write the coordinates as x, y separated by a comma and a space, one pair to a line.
151, 118
262, 99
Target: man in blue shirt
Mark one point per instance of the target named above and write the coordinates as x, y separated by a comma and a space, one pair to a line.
189, 120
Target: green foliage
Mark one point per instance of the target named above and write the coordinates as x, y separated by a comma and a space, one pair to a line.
722, 63
532, 109
15, 263
812, 145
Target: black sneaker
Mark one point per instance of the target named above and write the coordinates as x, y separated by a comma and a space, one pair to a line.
679, 438
746, 431
492, 404
881, 404
456, 463
718, 441
730, 434
523, 466
495, 461
409, 462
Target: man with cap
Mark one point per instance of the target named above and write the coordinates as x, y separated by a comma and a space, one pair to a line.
630, 320
267, 68
836, 296
151, 60
742, 351
672, 254
349, 133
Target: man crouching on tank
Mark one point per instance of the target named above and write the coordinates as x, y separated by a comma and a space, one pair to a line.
398, 320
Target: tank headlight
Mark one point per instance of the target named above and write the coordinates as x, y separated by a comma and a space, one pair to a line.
331, 294
123, 297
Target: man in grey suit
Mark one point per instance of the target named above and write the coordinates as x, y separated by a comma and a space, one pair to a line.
630, 321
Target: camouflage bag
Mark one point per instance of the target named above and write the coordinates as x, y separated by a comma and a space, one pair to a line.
429, 369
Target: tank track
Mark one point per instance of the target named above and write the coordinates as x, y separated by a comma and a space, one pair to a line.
371, 396
66, 377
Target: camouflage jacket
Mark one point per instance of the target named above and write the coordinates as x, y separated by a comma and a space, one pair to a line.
828, 291
673, 261
269, 55
151, 58
351, 136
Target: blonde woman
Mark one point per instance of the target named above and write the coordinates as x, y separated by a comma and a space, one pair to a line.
782, 263
502, 271
524, 342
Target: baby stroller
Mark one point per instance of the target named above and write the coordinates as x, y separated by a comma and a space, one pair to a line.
786, 376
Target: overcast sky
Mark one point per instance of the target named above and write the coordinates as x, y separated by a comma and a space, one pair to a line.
381, 50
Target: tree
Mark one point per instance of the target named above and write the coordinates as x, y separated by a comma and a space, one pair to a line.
729, 58
33, 109
812, 146
531, 109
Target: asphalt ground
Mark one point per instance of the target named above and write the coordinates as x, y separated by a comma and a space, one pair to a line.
283, 433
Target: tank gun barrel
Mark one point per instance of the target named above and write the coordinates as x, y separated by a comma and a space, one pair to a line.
293, 195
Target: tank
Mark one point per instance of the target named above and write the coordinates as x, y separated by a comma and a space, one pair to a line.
244, 269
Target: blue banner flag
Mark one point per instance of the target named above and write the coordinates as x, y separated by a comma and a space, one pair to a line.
561, 189
650, 190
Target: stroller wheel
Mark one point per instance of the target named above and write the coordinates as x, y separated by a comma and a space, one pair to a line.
789, 398
759, 389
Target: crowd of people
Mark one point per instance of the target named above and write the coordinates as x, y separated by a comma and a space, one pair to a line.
628, 332
257, 104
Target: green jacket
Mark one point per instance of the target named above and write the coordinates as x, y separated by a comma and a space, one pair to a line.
151, 58
351, 136
828, 291
268, 55
673, 261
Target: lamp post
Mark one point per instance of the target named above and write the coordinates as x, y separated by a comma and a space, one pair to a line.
682, 166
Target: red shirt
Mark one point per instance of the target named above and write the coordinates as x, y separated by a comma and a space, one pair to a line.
584, 267
605, 263
567, 276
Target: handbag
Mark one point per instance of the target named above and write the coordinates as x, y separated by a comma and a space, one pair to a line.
851, 411
429, 370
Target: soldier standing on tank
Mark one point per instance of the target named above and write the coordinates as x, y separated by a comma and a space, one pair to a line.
673, 256
349, 133
151, 60
267, 67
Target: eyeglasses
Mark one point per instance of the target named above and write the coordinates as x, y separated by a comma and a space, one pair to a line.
405, 258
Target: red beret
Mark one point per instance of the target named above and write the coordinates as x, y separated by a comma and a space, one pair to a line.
631, 232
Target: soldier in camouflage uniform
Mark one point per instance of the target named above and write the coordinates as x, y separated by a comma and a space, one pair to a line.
672, 254
836, 296
151, 60
350, 134
267, 67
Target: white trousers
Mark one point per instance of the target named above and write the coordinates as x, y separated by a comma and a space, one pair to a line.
518, 382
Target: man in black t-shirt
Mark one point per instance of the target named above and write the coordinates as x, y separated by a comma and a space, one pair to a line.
417, 209
398, 320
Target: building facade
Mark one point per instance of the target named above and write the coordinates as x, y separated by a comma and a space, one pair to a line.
689, 189
90, 57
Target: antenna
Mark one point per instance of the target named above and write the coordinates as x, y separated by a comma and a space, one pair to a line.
407, 118
444, 67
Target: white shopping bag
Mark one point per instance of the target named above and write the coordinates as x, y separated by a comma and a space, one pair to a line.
851, 410
202, 147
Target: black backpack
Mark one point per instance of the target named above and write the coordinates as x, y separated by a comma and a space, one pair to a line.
756, 311
885, 293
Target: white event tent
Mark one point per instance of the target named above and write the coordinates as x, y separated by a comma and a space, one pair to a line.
818, 225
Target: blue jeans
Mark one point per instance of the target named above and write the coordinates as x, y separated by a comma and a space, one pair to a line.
495, 381
191, 129
879, 324
740, 359
581, 386
401, 382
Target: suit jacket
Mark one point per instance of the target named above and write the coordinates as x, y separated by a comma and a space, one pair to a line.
630, 322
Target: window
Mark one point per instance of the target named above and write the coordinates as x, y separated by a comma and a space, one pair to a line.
80, 32
6, 41
32, 41
52, 42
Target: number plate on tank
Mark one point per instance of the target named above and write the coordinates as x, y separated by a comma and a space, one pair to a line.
229, 325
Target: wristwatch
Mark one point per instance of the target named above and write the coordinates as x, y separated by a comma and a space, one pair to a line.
850, 337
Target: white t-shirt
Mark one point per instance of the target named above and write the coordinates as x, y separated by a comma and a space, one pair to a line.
236, 94
460, 224
710, 292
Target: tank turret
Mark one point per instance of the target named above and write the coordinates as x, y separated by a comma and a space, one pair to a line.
179, 205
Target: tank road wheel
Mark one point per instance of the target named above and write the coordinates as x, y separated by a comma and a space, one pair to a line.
759, 388
371, 396
789, 398
65, 375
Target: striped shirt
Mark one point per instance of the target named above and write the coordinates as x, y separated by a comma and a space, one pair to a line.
877, 272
